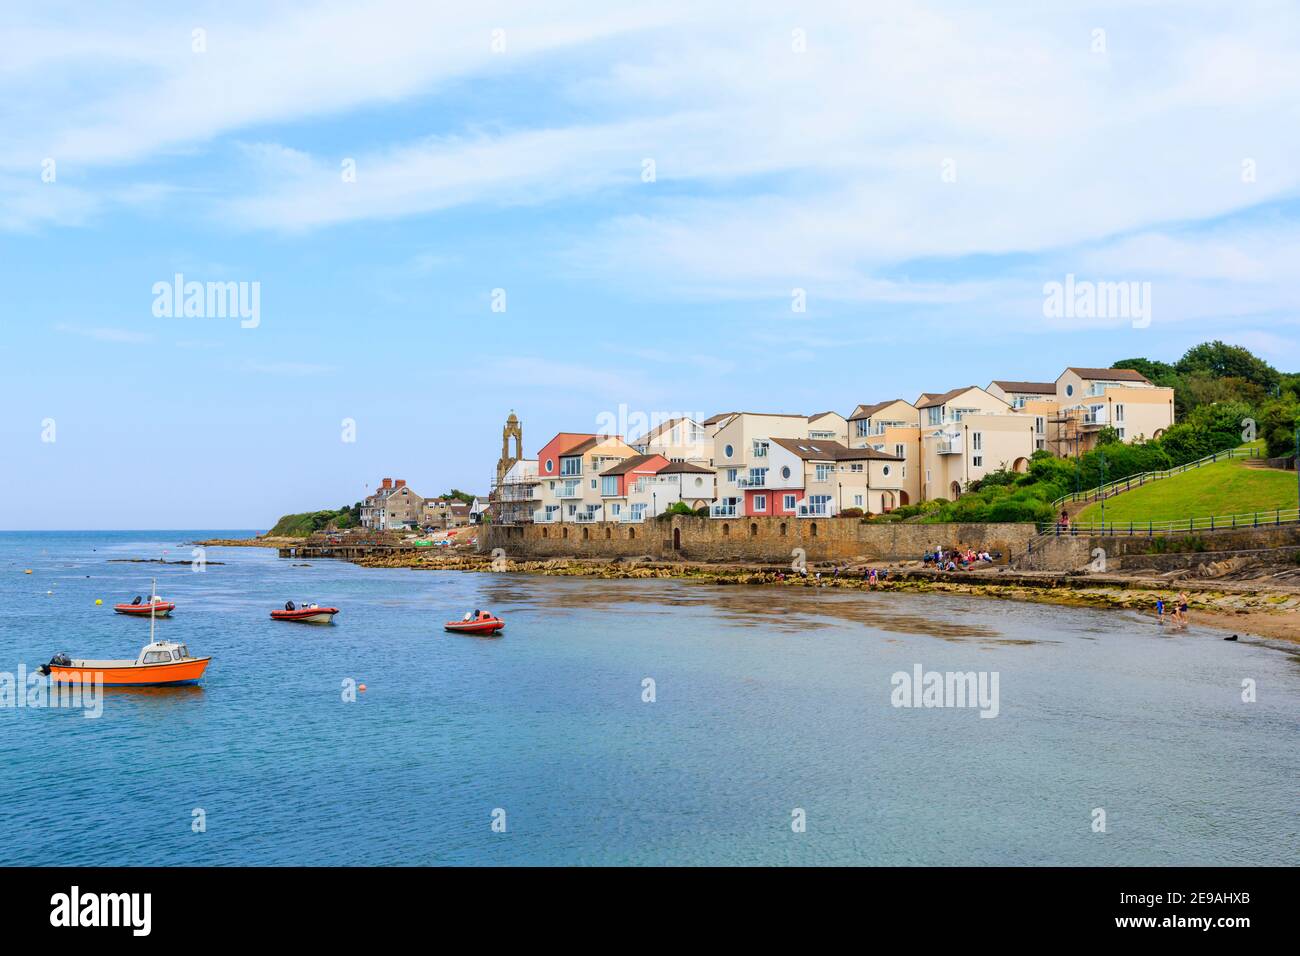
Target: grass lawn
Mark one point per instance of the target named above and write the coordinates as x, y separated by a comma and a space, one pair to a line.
1224, 488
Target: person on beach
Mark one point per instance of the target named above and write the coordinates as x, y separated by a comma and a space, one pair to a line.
1160, 611
874, 579
1181, 610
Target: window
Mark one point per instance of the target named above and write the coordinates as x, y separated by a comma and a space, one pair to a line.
571, 466
900, 451
885, 471
550, 465
823, 436
593, 484
785, 472
157, 657
788, 502
609, 485
1119, 413
760, 448
699, 482
727, 451
977, 461
977, 441
1069, 390
1120, 432
934, 415
731, 473
857, 501
760, 502
856, 466
824, 472
1039, 444
757, 477
862, 427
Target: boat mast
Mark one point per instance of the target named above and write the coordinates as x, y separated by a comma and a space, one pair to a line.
153, 606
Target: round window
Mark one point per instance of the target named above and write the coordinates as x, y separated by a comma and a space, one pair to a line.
699, 482
550, 465
785, 471
727, 451
1069, 390
885, 471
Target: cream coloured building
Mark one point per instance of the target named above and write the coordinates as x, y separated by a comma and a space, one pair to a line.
892, 427
1091, 399
967, 433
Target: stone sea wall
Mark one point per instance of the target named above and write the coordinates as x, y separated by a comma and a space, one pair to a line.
766, 540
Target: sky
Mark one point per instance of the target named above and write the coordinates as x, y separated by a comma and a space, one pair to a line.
452, 211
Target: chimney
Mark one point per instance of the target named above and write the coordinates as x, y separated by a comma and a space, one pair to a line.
388, 483
399, 483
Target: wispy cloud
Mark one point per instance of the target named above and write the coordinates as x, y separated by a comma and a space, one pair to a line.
99, 334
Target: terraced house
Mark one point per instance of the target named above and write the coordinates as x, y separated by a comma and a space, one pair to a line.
881, 456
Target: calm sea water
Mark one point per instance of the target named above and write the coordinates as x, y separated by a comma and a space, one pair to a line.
768, 700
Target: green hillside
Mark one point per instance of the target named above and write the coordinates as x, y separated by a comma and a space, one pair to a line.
1224, 488
301, 525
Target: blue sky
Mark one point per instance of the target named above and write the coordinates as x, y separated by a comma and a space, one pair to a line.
795, 146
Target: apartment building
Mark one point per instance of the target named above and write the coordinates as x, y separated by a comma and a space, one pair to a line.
651, 485
617, 481
1091, 399
515, 497
967, 433
828, 426
569, 470
892, 427
741, 442
678, 439
809, 478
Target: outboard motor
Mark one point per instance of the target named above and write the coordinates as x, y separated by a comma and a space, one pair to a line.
137, 599
288, 605
60, 659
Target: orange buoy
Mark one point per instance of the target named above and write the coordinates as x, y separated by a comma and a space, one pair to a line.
361, 687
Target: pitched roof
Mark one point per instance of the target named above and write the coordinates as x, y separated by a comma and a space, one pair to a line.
660, 429
683, 468
1110, 374
571, 439
1026, 388
629, 464
582, 447
866, 411
813, 418
930, 399
830, 451
714, 419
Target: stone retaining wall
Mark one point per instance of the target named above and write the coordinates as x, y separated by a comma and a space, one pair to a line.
765, 540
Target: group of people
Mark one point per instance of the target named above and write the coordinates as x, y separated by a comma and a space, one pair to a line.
1177, 611
956, 559
872, 576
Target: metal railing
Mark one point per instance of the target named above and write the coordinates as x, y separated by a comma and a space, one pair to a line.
724, 509
574, 491
754, 481
1112, 488
1250, 519
824, 509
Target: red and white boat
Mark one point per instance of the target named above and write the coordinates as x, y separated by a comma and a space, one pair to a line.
484, 623
307, 614
154, 607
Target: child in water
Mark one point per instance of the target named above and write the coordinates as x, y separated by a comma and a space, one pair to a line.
1160, 611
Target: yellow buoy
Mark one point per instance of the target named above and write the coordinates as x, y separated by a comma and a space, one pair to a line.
28, 571
98, 601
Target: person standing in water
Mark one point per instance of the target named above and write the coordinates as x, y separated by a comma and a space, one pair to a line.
1160, 611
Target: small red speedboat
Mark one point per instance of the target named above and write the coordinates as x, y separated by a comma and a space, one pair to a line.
154, 608
308, 614
485, 623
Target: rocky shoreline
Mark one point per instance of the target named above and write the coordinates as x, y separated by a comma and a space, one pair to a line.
1241, 608
262, 541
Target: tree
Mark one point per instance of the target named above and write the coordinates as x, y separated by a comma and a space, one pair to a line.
1227, 361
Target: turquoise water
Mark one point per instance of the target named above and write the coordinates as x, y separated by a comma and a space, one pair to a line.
767, 700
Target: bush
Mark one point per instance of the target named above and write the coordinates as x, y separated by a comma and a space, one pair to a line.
851, 513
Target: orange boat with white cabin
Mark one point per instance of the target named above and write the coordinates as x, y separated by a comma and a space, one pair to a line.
159, 664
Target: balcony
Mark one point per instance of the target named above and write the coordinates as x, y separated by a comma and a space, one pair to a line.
542, 516
815, 509
569, 491
632, 517
1095, 418
754, 481
588, 516
950, 446
725, 509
